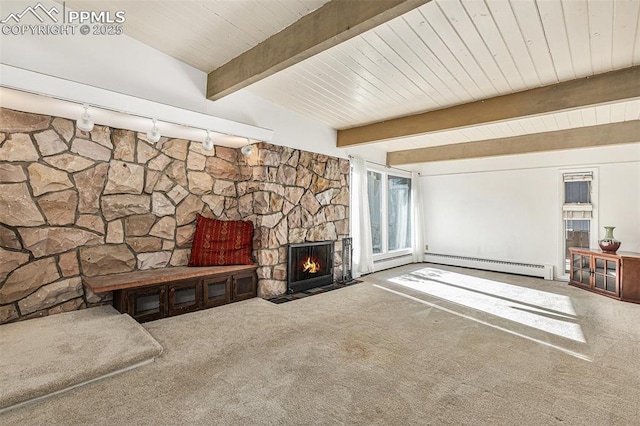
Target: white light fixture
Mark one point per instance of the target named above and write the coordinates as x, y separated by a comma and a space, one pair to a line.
153, 135
247, 149
85, 123
208, 143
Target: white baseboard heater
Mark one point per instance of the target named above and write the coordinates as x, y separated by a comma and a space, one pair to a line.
542, 271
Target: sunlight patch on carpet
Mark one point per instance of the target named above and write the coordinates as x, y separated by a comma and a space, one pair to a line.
549, 312
515, 333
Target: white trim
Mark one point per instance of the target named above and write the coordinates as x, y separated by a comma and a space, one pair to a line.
577, 177
393, 262
391, 254
577, 207
510, 267
384, 173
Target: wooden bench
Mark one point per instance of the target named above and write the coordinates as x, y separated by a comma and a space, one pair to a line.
158, 293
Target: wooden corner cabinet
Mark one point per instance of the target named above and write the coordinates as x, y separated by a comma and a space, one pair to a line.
154, 294
614, 275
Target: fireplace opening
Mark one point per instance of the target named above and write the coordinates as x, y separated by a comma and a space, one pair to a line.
310, 265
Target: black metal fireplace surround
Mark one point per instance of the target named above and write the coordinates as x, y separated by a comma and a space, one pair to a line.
310, 265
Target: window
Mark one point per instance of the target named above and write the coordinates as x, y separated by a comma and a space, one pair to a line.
390, 211
374, 184
399, 212
577, 212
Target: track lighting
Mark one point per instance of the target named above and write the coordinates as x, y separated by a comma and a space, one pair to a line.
247, 149
208, 143
85, 123
153, 135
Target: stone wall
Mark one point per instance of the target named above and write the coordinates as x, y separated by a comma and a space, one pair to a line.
74, 203
294, 196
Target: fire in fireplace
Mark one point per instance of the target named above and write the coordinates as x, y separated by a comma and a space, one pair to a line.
310, 265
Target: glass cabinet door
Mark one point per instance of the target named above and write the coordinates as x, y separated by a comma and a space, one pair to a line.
183, 297
244, 286
148, 303
575, 267
216, 291
586, 270
599, 273
581, 269
606, 274
611, 273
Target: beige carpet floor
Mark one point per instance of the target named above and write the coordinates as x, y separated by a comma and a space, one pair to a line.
421, 344
47, 355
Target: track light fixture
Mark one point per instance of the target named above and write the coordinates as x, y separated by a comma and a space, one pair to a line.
247, 149
208, 143
153, 135
85, 123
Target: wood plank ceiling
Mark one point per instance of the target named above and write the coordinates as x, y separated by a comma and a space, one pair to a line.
444, 53
451, 52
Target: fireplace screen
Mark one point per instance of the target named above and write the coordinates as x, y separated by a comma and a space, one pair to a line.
310, 265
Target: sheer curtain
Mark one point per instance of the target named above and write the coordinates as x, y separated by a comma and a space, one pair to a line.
417, 210
360, 219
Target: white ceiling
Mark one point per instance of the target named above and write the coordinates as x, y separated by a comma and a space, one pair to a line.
450, 52
444, 53
590, 116
203, 34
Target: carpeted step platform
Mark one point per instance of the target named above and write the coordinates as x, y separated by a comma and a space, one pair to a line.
49, 355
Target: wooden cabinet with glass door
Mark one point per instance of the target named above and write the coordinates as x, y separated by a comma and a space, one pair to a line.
605, 275
581, 269
615, 275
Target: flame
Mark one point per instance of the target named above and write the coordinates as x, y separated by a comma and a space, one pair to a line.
311, 266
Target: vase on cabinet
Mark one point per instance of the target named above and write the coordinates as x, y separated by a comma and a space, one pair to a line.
609, 244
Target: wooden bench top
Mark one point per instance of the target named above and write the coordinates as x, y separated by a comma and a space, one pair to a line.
103, 283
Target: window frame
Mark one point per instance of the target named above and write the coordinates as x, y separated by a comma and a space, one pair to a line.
386, 254
593, 221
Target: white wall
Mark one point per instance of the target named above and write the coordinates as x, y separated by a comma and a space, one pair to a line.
509, 208
124, 65
619, 203
494, 215
290, 128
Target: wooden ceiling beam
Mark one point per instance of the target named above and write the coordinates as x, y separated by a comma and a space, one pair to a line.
598, 89
581, 137
328, 26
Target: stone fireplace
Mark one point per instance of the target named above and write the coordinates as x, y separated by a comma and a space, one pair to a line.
293, 197
76, 204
